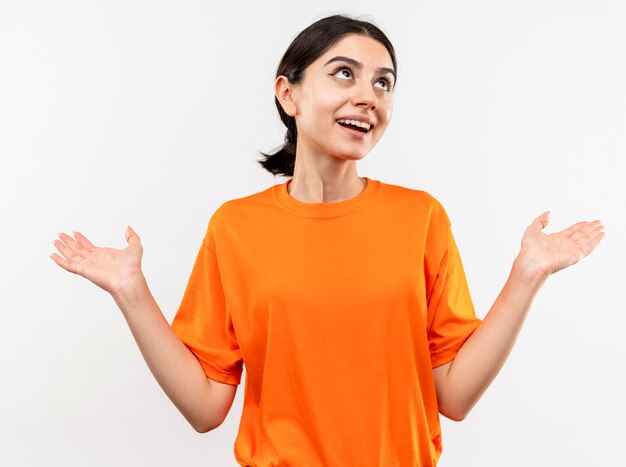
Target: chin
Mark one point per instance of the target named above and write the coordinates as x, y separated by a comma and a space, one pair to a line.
350, 155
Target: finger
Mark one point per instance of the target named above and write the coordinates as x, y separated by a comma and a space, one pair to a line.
73, 245
591, 226
588, 243
539, 223
65, 264
130, 232
588, 231
543, 220
578, 235
69, 241
596, 231
595, 240
83, 241
132, 237
64, 249
573, 228
589, 235
583, 225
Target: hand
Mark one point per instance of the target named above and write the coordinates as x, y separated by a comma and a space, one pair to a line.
108, 268
549, 253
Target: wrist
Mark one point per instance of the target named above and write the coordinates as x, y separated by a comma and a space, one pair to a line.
528, 270
131, 286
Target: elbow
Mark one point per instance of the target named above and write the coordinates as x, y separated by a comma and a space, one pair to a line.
456, 414
456, 407
455, 417
202, 425
203, 428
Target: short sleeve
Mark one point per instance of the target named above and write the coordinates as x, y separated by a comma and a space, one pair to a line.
202, 321
451, 315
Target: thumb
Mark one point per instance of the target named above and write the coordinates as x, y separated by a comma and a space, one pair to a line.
131, 236
542, 221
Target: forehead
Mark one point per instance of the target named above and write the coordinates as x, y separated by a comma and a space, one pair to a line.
362, 48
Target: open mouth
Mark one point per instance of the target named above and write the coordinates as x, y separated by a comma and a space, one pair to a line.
355, 125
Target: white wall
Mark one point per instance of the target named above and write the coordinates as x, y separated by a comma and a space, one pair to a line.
151, 114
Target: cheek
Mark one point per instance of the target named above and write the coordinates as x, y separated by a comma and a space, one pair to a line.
386, 114
323, 108
326, 100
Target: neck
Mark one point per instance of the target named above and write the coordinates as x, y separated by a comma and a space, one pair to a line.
325, 189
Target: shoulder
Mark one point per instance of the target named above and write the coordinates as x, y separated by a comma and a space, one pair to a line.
235, 207
241, 213
416, 198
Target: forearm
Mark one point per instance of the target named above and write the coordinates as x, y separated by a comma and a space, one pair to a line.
175, 368
484, 353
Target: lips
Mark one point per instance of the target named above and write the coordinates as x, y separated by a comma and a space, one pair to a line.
354, 132
360, 118
358, 123
353, 126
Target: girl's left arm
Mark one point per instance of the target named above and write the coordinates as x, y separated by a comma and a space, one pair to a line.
461, 382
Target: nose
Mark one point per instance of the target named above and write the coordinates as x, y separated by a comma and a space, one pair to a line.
365, 97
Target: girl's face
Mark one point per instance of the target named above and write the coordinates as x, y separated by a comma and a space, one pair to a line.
352, 81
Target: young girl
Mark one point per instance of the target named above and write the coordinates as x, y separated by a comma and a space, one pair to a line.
344, 296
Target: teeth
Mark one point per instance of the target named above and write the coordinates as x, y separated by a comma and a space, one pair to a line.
356, 123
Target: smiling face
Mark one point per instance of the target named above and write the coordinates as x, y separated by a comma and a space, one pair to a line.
343, 104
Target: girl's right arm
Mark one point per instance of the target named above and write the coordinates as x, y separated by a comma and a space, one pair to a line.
204, 403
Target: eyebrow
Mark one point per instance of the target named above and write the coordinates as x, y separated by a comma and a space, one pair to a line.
359, 65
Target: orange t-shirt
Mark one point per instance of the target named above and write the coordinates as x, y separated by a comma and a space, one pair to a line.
339, 312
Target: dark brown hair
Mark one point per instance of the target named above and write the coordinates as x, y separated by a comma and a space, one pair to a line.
307, 47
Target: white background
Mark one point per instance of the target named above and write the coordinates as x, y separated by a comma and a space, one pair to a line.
152, 114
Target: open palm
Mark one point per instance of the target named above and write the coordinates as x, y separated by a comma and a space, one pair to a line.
552, 252
108, 268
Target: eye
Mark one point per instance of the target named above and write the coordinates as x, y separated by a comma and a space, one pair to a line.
343, 73
386, 84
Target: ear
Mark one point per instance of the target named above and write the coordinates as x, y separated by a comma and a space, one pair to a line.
284, 92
